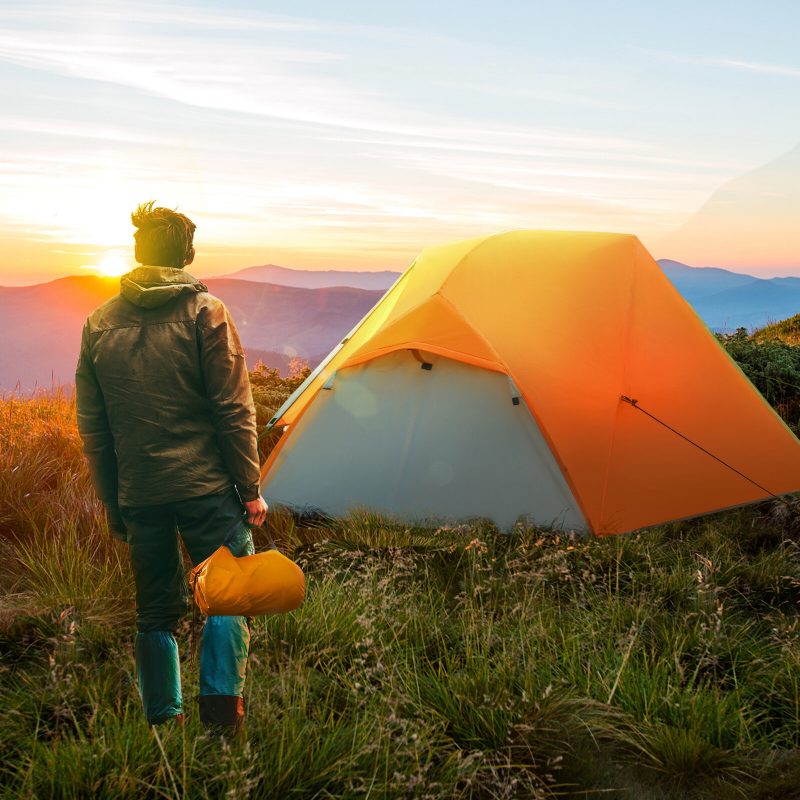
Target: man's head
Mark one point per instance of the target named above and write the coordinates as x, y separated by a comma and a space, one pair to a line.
163, 237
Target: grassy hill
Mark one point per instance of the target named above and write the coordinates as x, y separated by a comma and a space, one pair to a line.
786, 331
456, 662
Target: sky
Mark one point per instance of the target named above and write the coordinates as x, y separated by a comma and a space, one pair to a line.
351, 135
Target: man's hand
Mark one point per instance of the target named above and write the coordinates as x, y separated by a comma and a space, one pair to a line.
256, 511
116, 525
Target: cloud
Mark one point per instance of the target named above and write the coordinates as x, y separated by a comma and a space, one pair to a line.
104, 132
180, 17
752, 66
725, 63
138, 46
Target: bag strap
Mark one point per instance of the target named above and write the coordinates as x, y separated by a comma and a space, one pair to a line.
235, 527
233, 530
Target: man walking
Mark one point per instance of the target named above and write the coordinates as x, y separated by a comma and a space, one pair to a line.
168, 424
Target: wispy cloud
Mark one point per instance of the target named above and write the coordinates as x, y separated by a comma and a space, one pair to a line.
181, 17
752, 66
740, 64
146, 48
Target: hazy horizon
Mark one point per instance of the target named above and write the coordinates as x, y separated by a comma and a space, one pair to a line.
193, 269
202, 275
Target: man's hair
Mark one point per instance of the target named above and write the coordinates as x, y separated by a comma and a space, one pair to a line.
163, 237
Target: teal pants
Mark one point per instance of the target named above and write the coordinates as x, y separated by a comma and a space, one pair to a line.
161, 598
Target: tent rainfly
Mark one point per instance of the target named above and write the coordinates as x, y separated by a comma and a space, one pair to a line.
553, 377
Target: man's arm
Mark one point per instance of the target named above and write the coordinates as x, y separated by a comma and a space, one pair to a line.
228, 390
98, 443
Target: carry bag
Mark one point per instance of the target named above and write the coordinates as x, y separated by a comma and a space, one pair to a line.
249, 586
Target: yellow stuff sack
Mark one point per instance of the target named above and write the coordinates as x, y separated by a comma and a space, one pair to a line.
266, 583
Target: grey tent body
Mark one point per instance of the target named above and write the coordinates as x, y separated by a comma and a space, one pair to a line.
422, 441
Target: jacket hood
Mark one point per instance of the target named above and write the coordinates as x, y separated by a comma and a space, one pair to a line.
150, 287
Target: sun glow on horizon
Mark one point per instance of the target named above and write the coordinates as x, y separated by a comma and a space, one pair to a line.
113, 264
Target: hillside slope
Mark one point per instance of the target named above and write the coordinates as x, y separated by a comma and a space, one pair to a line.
787, 331
40, 326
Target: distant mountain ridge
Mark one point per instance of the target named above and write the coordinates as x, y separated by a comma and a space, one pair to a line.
727, 300
40, 325
702, 281
315, 279
724, 300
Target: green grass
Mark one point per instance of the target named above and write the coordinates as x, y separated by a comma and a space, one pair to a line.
449, 663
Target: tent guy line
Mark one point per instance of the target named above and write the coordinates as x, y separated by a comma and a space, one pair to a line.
635, 404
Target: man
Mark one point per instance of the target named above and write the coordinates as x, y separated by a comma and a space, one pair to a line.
168, 424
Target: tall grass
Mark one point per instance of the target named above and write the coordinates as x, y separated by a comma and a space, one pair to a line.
451, 662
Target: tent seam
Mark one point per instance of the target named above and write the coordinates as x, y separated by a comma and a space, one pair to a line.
444, 352
549, 441
622, 391
469, 253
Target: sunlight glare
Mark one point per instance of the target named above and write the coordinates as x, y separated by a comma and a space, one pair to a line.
113, 264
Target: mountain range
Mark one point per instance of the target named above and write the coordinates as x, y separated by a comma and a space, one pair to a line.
282, 313
724, 300
40, 326
727, 300
315, 279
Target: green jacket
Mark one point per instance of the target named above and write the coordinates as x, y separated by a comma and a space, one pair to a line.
164, 404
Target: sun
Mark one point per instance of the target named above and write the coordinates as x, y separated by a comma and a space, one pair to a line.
113, 264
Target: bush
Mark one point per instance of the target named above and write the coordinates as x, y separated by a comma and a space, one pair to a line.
773, 367
270, 392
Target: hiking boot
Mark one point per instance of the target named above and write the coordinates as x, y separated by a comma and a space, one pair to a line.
222, 714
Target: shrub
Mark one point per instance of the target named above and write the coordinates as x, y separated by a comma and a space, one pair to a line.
270, 392
774, 368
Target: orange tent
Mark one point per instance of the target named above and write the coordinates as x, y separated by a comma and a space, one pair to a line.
557, 377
